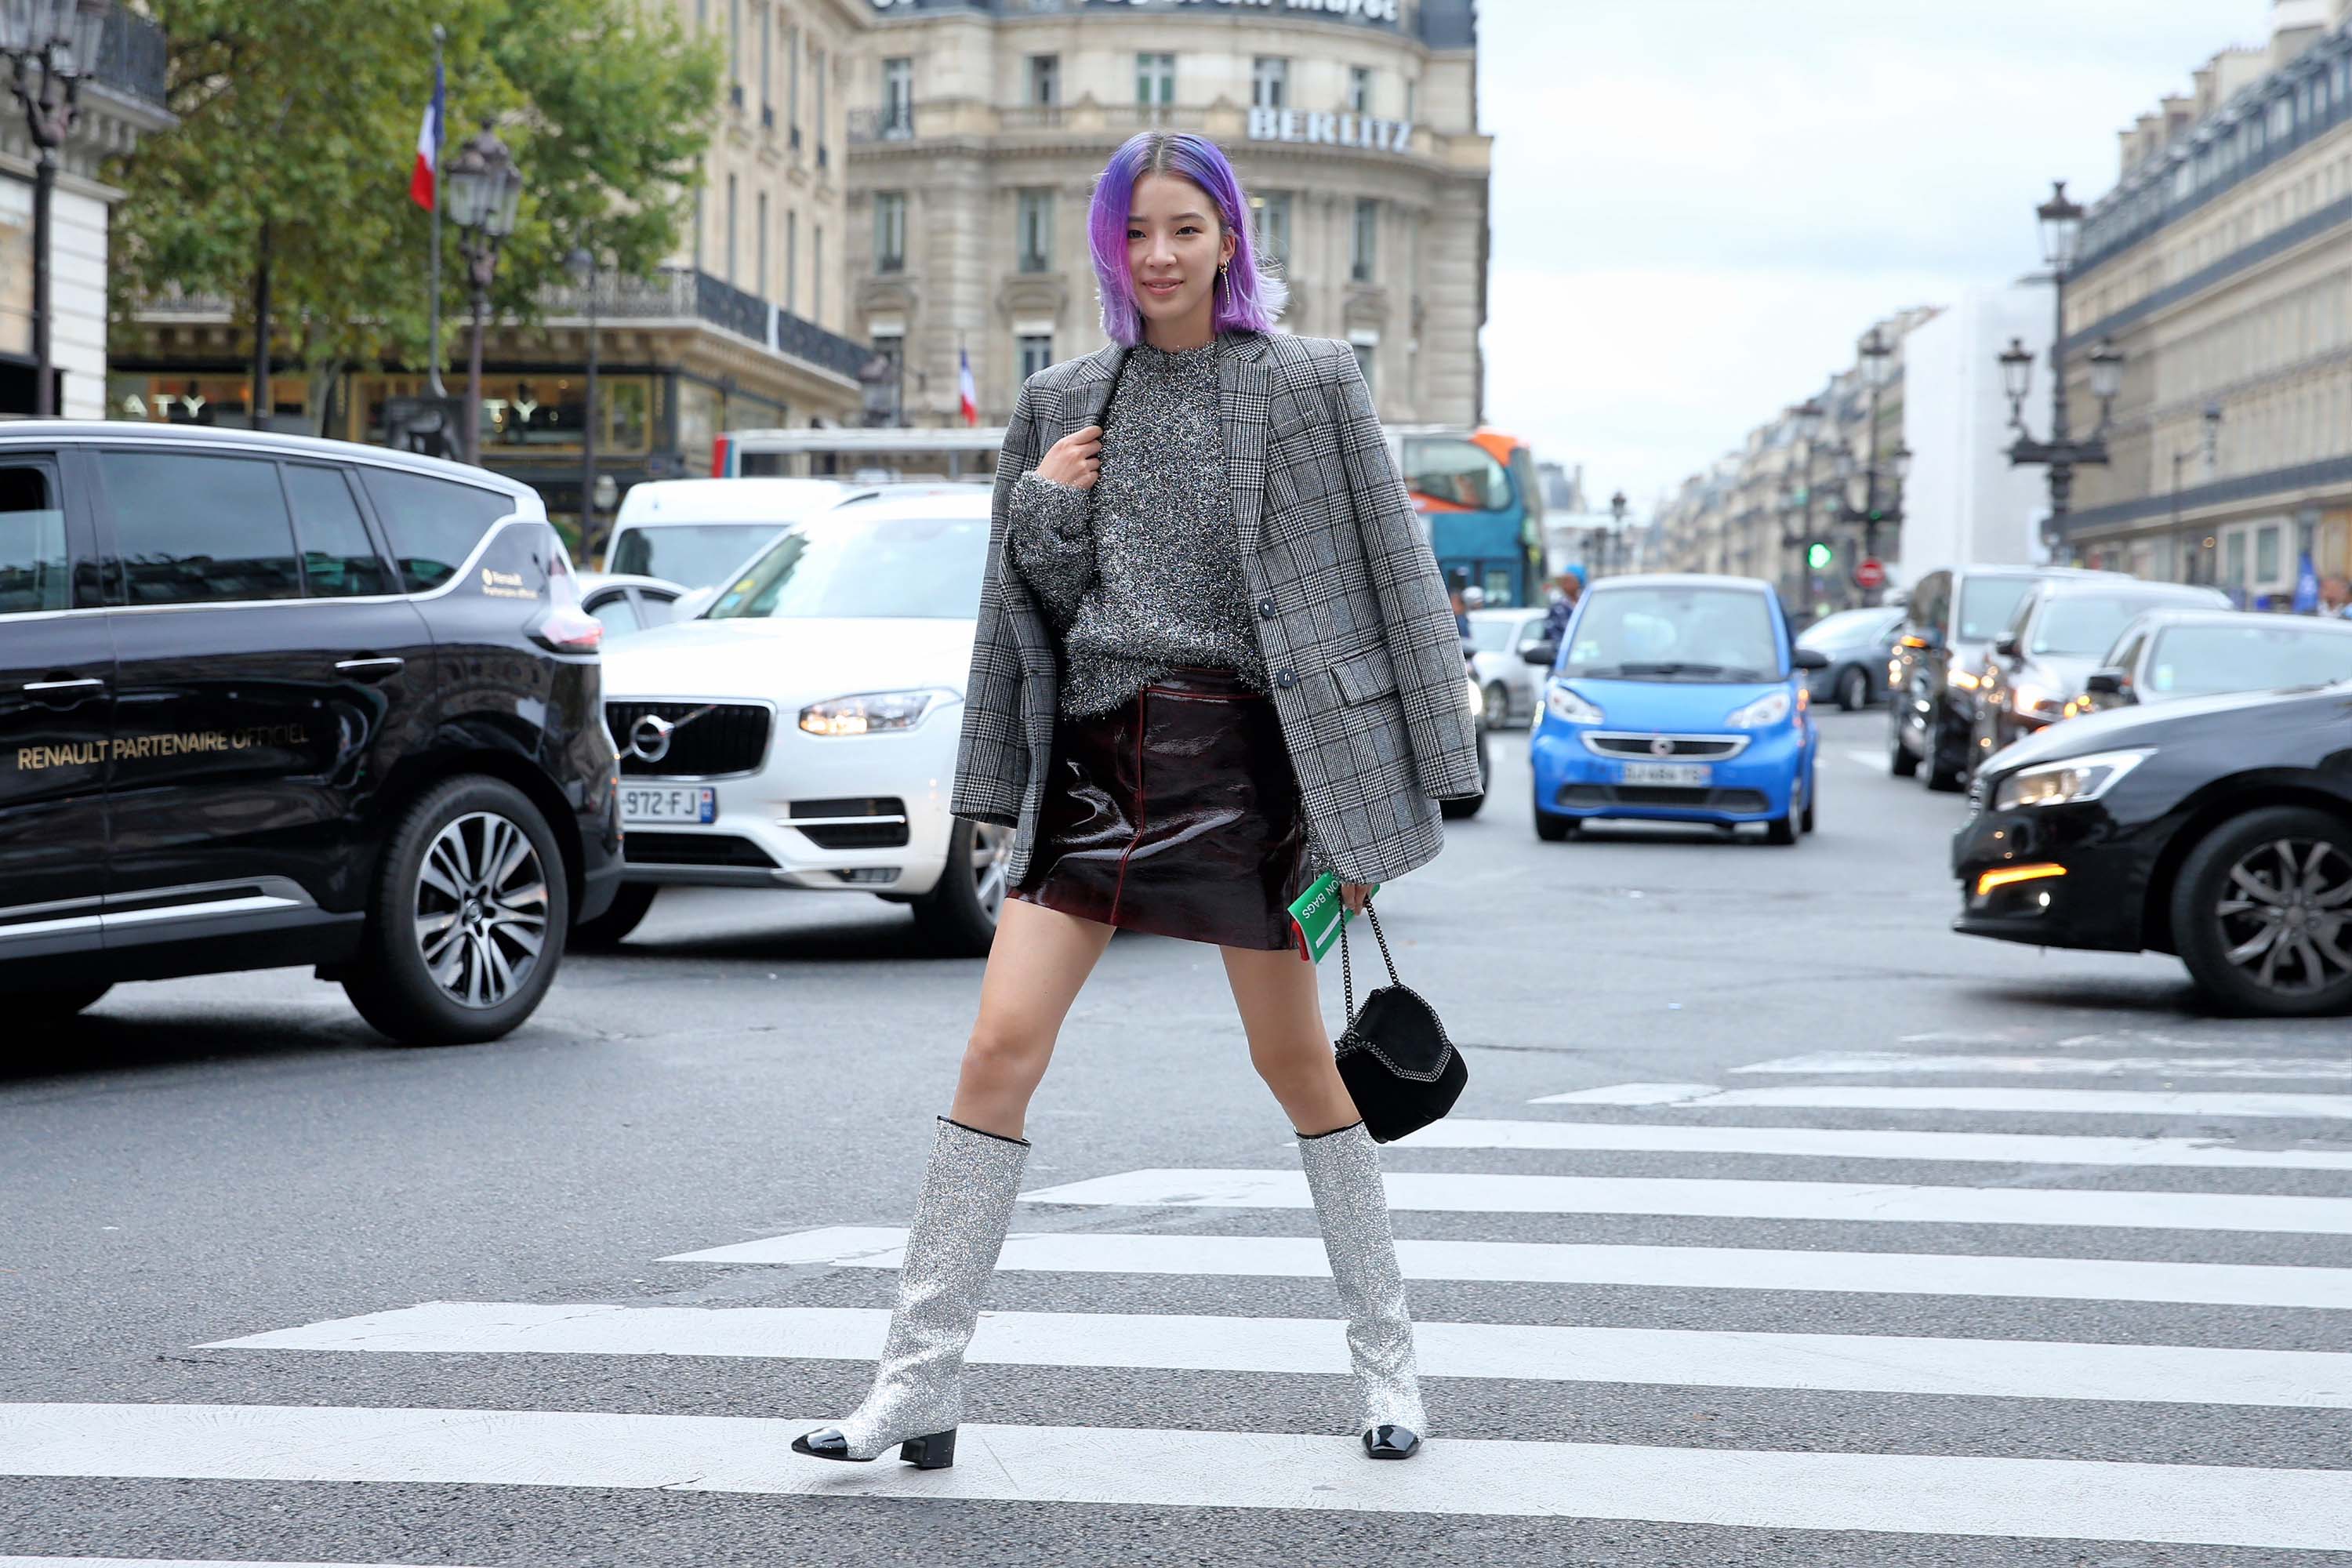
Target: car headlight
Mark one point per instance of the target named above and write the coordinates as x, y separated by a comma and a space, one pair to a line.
2075, 779
1769, 709
1960, 679
1565, 706
869, 712
2032, 700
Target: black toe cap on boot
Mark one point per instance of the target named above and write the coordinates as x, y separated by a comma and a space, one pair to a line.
824, 1443
1388, 1441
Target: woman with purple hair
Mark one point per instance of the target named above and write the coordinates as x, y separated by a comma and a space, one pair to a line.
1213, 658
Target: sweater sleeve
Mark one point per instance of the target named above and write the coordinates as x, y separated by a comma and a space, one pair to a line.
1052, 542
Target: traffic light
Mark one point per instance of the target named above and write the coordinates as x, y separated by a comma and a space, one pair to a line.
1818, 555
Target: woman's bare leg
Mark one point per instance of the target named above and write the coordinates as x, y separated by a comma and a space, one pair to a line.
1039, 959
1276, 994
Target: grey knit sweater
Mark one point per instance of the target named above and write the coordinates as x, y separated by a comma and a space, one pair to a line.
1142, 572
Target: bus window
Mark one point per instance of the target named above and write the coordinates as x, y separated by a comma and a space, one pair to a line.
1455, 473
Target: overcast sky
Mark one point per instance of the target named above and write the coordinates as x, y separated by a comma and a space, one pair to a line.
1699, 205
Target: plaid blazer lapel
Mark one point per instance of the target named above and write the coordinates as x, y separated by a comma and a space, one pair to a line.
1087, 392
1246, 404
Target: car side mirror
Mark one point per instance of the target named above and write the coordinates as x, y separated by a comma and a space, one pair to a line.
2005, 646
1810, 659
2110, 683
1542, 651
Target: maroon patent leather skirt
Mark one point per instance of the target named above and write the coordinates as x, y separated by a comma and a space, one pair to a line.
1176, 812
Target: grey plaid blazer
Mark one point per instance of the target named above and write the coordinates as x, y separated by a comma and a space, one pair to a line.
1359, 638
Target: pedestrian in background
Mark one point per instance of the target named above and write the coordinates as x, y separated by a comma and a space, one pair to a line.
2336, 598
1459, 598
1279, 705
1566, 588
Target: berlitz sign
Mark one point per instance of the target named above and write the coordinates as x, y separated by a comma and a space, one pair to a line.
1330, 130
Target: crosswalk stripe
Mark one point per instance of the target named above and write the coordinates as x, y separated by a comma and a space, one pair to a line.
1480, 1193
1865, 1363
1899, 1064
1846, 1144
2036, 1101
1557, 1263
1149, 1466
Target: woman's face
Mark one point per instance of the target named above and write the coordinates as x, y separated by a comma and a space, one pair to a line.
1174, 246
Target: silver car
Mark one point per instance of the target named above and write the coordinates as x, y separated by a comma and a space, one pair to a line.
1508, 685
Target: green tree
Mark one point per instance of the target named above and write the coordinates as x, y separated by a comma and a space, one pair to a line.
285, 186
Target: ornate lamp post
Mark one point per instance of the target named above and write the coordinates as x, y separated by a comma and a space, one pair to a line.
2061, 235
1617, 528
1796, 528
52, 46
1877, 371
581, 265
485, 191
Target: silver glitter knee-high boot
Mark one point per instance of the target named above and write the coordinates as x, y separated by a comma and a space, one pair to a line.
1343, 1173
959, 1224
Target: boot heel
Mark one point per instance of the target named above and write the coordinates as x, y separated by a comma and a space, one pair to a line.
936, 1452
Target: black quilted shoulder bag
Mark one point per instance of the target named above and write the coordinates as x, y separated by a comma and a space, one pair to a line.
1400, 1067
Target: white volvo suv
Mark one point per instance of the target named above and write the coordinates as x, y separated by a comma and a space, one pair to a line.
801, 733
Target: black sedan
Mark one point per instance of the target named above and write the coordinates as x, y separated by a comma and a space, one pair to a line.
2169, 656
2044, 659
2218, 829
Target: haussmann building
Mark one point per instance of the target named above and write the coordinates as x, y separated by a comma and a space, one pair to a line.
977, 128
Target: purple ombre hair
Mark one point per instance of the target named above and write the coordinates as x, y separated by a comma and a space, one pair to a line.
1246, 298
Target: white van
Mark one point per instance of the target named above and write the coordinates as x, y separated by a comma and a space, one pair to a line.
697, 532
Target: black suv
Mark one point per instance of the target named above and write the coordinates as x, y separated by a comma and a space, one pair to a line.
268, 701
1948, 631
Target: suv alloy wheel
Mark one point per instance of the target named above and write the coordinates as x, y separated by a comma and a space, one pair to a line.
958, 916
466, 927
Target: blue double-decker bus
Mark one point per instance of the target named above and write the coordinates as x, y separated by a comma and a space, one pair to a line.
1479, 492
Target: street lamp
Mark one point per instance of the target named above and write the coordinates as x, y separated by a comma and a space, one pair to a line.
581, 265
53, 46
485, 191
1617, 518
1877, 354
2062, 236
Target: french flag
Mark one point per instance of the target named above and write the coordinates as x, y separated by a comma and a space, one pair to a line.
967, 392
423, 180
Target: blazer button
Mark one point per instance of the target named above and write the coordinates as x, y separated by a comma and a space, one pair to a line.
1265, 610
1287, 680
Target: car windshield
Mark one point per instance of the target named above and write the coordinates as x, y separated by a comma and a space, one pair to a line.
1988, 603
2085, 626
1498, 636
1845, 626
2192, 661
695, 553
1674, 634
919, 567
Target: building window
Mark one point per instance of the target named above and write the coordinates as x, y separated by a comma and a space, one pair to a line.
1155, 80
1368, 362
817, 61
2235, 575
1036, 351
889, 231
1044, 81
735, 48
792, 81
767, 64
1365, 251
1270, 225
697, 228
760, 279
731, 228
1269, 82
817, 274
898, 97
1359, 90
1034, 231
2267, 556
792, 262
1410, 92
885, 398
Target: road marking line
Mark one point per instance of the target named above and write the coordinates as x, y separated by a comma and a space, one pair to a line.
1571, 1263
2032, 1101
1860, 1364
1148, 1465
1874, 760
1482, 1193
1846, 1144
1898, 1064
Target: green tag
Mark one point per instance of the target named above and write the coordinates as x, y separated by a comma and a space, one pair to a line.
1316, 915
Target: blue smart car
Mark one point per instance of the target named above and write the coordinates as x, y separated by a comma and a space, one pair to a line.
1676, 699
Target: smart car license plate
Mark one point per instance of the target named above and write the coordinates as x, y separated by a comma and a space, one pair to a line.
1691, 774
648, 803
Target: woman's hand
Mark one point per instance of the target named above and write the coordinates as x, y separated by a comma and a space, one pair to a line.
1075, 460
1356, 895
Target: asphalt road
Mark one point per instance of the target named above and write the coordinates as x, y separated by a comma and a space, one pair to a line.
2118, 1341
